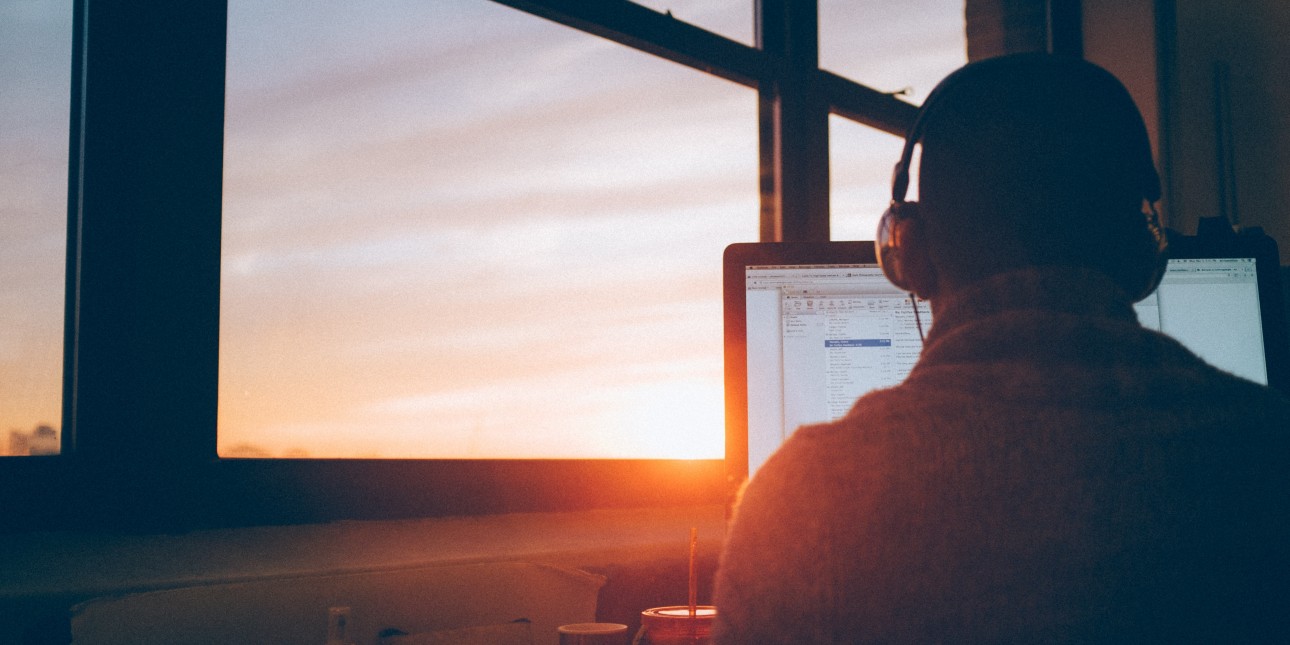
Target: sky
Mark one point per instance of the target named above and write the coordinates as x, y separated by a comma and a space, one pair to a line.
453, 229
35, 72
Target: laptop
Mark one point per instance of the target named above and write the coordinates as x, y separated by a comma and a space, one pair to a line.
812, 326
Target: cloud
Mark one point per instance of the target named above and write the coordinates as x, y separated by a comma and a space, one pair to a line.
498, 234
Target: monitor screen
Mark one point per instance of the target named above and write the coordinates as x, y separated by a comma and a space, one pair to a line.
1211, 305
819, 337
818, 325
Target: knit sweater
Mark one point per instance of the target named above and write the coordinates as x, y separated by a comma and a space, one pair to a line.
1050, 471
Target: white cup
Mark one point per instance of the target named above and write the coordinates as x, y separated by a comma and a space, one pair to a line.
593, 634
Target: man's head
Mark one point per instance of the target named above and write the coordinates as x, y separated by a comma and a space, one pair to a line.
1027, 160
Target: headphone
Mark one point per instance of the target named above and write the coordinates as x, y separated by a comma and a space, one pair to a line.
900, 243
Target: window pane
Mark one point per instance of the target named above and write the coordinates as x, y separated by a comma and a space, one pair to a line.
893, 46
453, 229
35, 72
888, 47
860, 162
733, 19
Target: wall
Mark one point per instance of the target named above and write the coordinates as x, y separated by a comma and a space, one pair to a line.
1170, 54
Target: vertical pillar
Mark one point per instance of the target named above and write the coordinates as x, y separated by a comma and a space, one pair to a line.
145, 190
794, 125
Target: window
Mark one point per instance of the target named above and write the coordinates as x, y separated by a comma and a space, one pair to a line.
904, 48
730, 18
859, 40
149, 144
485, 236
860, 163
35, 63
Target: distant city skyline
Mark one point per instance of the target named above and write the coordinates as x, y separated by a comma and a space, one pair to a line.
41, 440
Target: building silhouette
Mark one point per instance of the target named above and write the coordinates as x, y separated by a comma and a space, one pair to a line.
43, 440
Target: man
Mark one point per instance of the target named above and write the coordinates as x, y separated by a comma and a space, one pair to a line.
1050, 471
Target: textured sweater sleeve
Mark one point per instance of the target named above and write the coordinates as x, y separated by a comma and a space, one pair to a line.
773, 586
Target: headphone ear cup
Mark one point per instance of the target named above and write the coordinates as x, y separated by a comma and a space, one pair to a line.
901, 251
887, 245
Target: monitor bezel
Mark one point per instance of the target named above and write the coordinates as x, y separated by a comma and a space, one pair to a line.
1267, 262
735, 260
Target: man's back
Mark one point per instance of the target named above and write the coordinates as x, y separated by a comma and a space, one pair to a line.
1049, 472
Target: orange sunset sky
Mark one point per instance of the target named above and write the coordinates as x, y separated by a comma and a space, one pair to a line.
453, 229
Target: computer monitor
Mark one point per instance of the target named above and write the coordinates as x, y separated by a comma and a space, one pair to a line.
810, 327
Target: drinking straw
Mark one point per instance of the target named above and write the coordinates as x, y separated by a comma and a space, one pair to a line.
694, 585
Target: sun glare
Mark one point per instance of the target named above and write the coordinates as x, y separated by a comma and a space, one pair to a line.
680, 419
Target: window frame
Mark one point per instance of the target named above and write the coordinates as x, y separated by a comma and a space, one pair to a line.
143, 279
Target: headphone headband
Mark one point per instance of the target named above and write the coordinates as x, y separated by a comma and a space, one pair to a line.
901, 250
1150, 186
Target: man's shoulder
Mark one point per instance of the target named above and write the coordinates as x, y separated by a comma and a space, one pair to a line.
849, 447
